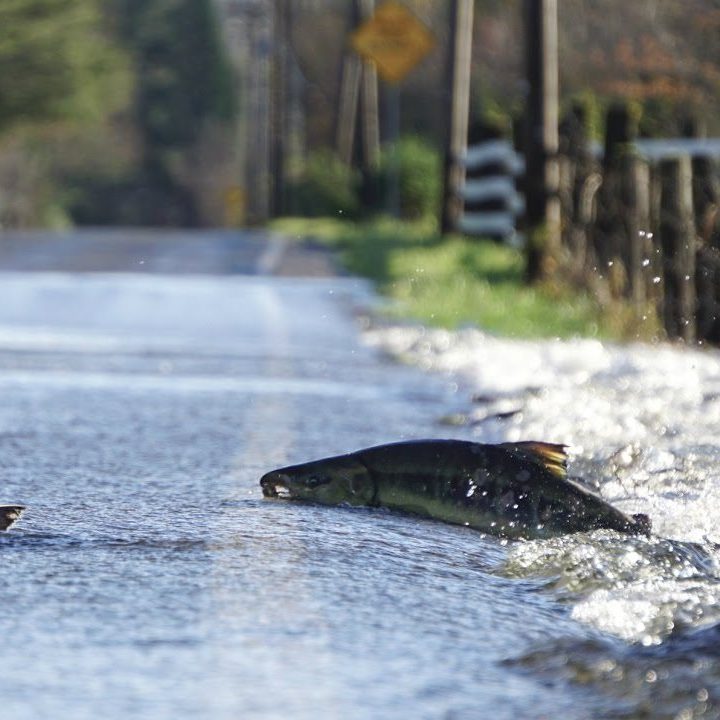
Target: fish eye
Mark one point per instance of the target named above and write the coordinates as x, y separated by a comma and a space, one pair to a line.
356, 485
315, 480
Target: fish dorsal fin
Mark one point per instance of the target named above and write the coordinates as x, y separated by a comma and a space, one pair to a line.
550, 455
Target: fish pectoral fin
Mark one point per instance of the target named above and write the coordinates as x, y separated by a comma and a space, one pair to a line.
643, 523
550, 455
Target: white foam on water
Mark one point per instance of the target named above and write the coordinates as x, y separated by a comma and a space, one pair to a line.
642, 421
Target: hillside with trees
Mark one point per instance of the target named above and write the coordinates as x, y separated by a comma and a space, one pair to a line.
104, 108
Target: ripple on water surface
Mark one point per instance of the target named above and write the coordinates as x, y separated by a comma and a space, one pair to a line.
642, 424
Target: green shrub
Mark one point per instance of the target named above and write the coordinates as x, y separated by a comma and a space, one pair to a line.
327, 187
419, 166
454, 280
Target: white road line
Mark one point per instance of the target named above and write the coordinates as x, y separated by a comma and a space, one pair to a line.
270, 257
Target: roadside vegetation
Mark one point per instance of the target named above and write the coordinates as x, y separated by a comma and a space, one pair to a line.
440, 281
455, 281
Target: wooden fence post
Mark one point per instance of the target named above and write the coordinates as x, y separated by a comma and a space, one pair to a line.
608, 231
706, 194
679, 247
706, 190
708, 294
579, 182
542, 211
636, 243
459, 64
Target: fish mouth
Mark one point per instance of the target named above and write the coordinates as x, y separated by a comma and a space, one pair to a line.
276, 485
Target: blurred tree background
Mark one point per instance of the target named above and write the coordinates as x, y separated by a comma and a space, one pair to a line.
60, 79
661, 56
142, 111
105, 108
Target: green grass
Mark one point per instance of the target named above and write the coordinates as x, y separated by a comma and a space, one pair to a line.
452, 282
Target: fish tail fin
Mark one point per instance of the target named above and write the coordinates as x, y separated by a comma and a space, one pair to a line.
551, 456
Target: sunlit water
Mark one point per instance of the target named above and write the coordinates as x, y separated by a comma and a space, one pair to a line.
149, 579
643, 426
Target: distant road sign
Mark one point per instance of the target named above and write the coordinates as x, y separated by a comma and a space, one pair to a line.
394, 39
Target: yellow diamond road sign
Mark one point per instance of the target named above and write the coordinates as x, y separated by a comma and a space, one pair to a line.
394, 39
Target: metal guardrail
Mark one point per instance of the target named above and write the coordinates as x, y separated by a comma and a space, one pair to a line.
494, 151
492, 202
654, 149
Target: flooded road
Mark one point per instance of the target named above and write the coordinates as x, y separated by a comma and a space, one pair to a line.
150, 579
642, 424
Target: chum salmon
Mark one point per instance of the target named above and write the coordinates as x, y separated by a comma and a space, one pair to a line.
513, 490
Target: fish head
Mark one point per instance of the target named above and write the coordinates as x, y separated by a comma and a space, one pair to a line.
333, 481
612, 519
9, 514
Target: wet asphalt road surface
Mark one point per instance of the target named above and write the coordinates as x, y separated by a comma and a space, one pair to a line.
148, 380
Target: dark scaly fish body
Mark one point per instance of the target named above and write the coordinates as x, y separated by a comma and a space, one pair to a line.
9, 514
516, 490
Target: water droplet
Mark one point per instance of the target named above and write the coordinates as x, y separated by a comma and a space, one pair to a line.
645, 262
656, 280
611, 263
650, 676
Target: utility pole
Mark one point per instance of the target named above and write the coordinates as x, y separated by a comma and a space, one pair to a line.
542, 214
349, 96
458, 80
258, 114
358, 89
278, 111
369, 114
295, 129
